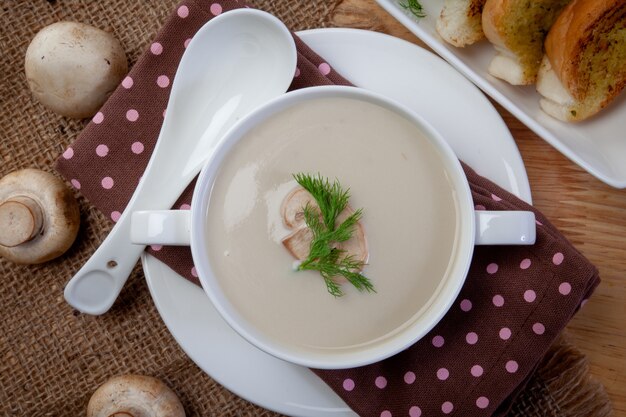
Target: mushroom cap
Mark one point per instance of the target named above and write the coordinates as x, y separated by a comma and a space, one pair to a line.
135, 396
60, 215
72, 68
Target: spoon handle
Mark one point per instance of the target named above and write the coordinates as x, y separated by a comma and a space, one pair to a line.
234, 63
95, 287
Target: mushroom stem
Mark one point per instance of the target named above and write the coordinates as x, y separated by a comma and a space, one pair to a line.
21, 219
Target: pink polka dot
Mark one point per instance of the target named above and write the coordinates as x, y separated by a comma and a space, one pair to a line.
163, 81
380, 382
98, 118
492, 268
156, 48
115, 216
447, 407
385, 413
75, 183
511, 367
297, 74
498, 300
582, 303
438, 341
183, 11
186, 43
185, 206
324, 68
415, 411
471, 338
348, 384
480, 207
476, 370
409, 377
156, 248
557, 259
482, 402
137, 148
164, 112
132, 115
530, 296
216, 9
466, 305
68, 154
102, 150
127, 82
194, 272
443, 374
525, 264
539, 328
495, 197
565, 288
505, 333
538, 223
107, 183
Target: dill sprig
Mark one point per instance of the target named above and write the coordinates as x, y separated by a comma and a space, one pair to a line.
330, 198
413, 6
330, 261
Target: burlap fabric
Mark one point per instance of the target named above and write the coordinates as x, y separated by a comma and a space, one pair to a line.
52, 358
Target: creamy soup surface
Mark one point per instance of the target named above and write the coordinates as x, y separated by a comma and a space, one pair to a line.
409, 216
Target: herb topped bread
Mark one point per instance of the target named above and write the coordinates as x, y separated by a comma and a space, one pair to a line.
517, 28
460, 22
585, 64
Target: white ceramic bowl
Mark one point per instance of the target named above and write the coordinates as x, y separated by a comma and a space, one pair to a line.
495, 228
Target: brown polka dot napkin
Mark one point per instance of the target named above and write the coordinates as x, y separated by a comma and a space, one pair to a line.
515, 301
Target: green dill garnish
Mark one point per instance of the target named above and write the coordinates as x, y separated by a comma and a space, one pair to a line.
324, 256
413, 6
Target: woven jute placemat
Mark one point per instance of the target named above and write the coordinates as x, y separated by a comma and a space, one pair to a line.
51, 357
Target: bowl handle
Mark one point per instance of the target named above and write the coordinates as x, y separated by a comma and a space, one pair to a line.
162, 227
505, 228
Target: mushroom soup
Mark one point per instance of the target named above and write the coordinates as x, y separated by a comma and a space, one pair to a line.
410, 221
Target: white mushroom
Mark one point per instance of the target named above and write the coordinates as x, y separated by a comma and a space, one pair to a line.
292, 207
298, 242
134, 396
39, 217
72, 68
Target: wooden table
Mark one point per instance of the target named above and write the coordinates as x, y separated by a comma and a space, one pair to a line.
591, 214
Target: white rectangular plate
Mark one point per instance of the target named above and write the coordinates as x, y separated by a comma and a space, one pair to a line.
598, 145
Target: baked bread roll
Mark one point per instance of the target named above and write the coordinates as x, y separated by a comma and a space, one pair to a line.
517, 29
585, 64
460, 22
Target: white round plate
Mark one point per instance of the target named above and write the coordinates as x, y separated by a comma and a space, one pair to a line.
401, 71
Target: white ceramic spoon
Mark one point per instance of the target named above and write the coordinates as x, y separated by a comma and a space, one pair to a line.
234, 63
